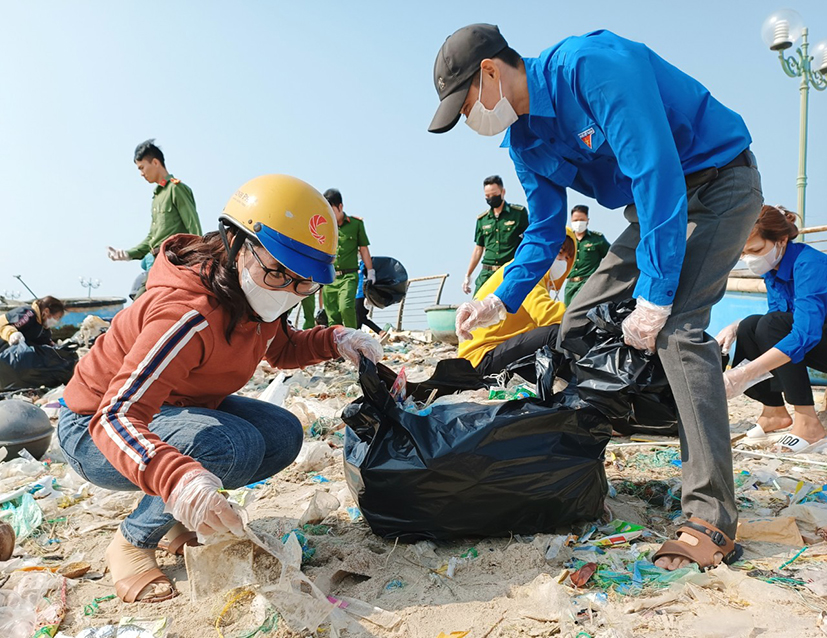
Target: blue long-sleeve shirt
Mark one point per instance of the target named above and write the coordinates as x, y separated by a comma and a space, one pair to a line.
612, 120
799, 286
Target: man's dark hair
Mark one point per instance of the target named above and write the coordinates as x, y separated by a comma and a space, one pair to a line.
493, 179
581, 208
510, 57
333, 197
148, 151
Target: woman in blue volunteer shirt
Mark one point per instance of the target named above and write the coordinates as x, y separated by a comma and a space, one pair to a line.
789, 338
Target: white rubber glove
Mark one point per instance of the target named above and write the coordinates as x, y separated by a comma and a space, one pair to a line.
371, 276
351, 343
641, 328
742, 377
197, 504
727, 336
466, 285
117, 254
479, 314
16, 337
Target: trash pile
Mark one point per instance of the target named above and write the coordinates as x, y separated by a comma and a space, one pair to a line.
311, 566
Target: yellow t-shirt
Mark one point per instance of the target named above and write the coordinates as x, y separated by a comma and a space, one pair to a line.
538, 310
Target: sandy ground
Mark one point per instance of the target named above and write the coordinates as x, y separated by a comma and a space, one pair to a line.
505, 588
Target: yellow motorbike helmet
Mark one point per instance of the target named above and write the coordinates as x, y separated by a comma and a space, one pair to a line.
291, 220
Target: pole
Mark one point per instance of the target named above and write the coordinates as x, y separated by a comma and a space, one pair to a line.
802, 132
20, 278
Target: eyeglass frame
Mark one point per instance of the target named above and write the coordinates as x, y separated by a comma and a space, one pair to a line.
282, 272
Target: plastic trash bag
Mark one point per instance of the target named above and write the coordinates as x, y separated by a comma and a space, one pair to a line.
23, 366
391, 282
626, 384
468, 469
450, 375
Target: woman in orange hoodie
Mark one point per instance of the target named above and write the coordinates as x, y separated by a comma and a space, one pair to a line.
151, 407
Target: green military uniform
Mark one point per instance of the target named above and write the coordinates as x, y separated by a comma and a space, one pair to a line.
309, 312
590, 251
339, 298
499, 236
173, 212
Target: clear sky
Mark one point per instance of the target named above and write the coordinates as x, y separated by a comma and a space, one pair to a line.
339, 94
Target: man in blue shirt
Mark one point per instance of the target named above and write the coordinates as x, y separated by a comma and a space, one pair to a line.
609, 118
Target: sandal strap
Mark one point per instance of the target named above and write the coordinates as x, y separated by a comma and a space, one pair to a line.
130, 587
711, 540
714, 534
176, 545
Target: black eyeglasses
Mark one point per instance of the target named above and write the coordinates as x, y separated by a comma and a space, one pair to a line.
278, 278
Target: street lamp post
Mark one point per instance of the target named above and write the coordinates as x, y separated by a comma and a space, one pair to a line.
89, 284
780, 31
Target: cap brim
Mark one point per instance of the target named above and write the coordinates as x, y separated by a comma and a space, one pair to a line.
447, 114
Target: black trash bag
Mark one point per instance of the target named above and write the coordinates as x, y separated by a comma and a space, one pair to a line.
321, 318
391, 282
450, 375
23, 366
466, 469
626, 384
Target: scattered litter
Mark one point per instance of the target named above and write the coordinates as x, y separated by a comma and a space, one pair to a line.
781, 530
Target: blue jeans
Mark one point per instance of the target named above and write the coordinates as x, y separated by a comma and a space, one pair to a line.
241, 442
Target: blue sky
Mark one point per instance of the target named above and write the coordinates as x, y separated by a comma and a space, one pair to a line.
338, 94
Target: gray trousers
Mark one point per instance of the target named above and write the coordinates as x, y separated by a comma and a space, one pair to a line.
721, 215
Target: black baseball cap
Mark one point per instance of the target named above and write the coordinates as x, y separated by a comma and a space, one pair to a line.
457, 62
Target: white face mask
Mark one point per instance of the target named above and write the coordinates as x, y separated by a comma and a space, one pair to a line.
558, 269
491, 121
51, 322
579, 227
762, 264
267, 304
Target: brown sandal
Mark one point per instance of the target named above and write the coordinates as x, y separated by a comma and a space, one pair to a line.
130, 587
177, 544
711, 541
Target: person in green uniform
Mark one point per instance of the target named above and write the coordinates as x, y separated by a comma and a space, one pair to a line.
498, 233
339, 298
173, 210
591, 249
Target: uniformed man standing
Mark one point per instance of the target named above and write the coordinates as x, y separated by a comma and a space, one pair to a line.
173, 210
497, 235
591, 249
339, 298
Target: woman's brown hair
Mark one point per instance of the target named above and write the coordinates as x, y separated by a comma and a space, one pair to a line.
208, 257
775, 223
52, 304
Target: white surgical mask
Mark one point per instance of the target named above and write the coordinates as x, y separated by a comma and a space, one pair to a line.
558, 269
491, 121
762, 264
51, 322
267, 304
579, 227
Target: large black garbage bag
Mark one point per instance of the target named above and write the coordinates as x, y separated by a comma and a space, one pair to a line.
23, 366
391, 282
467, 469
450, 375
626, 384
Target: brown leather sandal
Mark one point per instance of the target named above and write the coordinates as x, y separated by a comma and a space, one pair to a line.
130, 587
711, 541
177, 544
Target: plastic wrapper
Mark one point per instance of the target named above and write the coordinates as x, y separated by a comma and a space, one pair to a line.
23, 366
626, 384
467, 469
391, 282
450, 375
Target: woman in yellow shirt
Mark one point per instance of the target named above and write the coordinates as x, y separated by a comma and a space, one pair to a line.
534, 325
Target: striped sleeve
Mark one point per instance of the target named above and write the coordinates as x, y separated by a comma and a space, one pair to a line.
166, 350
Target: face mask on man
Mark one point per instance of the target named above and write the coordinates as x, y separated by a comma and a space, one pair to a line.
762, 264
491, 121
495, 201
579, 226
267, 304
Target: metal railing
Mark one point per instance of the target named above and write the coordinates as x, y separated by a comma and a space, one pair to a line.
409, 314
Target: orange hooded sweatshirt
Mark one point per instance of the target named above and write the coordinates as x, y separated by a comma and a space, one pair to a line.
169, 348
